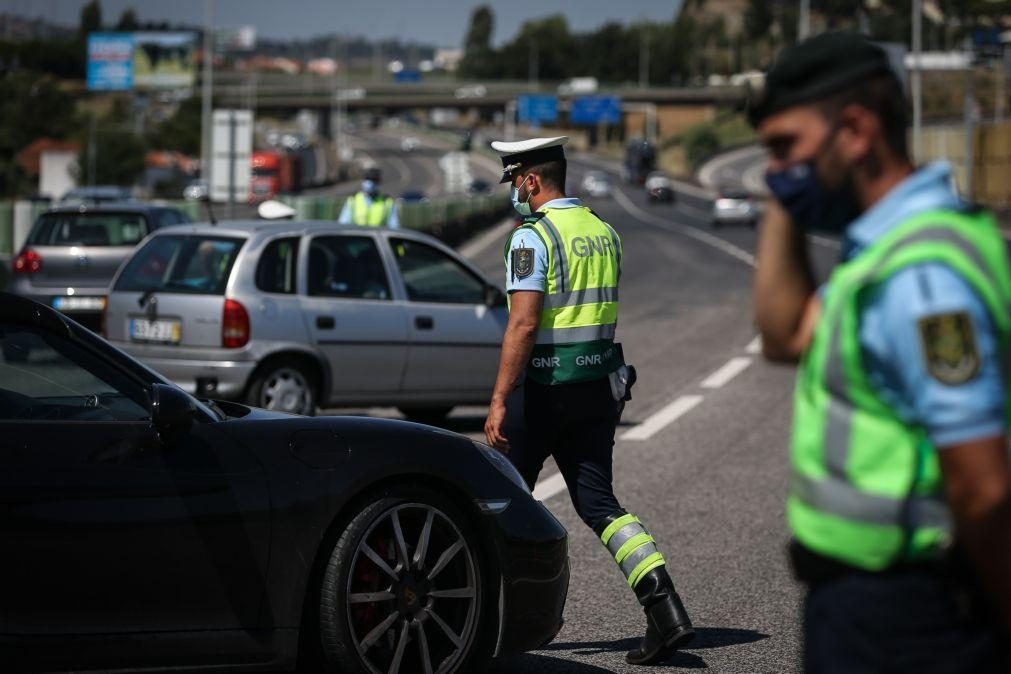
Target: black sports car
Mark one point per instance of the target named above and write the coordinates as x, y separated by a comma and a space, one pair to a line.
143, 528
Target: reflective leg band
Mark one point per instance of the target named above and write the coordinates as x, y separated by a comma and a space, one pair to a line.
644, 567
617, 524
633, 548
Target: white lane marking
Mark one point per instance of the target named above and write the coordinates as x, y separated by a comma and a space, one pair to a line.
716, 165
733, 367
754, 346
660, 419
495, 235
548, 487
697, 234
753, 179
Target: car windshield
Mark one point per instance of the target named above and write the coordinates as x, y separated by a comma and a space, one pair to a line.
89, 229
194, 264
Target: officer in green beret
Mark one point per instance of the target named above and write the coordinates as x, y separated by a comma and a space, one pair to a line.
900, 496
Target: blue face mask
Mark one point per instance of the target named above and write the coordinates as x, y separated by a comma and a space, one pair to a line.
522, 207
369, 187
812, 206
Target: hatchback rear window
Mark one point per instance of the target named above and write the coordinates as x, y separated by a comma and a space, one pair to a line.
195, 265
89, 229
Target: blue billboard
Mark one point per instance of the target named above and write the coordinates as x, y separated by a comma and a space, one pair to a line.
595, 110
537, 108
110, 61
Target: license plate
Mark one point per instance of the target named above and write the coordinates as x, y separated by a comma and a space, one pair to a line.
79, 303
165, 331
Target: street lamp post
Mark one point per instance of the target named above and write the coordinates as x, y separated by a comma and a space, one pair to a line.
916, 82
207, 91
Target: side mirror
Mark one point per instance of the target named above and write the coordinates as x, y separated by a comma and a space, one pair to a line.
493, 297
171, 410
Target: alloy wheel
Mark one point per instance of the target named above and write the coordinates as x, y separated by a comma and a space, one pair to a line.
413, 594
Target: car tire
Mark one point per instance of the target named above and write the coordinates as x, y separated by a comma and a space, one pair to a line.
432, 416
284, 386
388, 601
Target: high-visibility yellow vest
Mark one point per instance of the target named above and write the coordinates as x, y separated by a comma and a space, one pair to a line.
374, 214
575, 340
867, 488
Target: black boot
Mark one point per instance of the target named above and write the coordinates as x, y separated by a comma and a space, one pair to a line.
668, 627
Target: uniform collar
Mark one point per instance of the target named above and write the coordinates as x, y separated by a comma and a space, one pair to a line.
562, 202
928, 188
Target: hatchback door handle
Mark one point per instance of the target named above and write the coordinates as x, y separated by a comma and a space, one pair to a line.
325, 322
424, 322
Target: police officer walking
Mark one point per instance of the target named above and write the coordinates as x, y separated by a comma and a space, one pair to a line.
369, 207
563, 265
899, 502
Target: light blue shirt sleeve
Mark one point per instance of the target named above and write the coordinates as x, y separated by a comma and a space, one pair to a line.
393, 220
525, 238
894, 356
345, 216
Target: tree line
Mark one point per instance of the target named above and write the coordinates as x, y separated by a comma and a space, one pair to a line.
697, 43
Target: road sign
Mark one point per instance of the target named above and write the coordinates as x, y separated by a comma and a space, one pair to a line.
409, 76
595, 110
232, 147
110, 61
537, 108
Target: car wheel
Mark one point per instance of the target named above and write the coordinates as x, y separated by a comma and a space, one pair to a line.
426, 415
284, 386
404, 589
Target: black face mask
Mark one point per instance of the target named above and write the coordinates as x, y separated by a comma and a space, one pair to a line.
813, 206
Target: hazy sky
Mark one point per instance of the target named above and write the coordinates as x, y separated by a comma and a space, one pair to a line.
442, 23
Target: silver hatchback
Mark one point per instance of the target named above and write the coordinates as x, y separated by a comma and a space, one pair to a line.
299, 315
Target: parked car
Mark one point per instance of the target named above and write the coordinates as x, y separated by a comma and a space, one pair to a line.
288, 316
659, 187
97, 194
72, 253
735, 206
596, 184
147, 529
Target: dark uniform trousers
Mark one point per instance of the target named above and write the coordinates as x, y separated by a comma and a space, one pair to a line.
574, 423
915, 620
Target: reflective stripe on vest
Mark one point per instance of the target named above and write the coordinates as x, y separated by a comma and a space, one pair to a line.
867, 488
368, 214
632, 547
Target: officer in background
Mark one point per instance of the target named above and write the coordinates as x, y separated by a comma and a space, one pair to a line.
562, 266
899, 500
370, 207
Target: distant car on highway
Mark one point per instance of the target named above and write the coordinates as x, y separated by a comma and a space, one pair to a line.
735, 205
409, 144
97, 194
472, 91
659, 187
147, 530
413, 197
295, 315
596, 184
479, 186
73, 251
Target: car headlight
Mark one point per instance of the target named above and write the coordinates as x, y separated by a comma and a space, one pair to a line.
502, 464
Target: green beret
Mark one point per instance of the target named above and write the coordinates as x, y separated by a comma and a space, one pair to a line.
816, 68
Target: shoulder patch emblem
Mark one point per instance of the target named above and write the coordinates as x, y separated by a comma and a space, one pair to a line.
949, 347
523, 262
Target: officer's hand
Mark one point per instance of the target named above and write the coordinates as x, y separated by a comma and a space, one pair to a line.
493, 427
